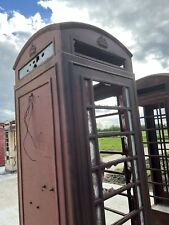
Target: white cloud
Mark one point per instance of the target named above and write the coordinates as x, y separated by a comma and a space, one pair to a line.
62, 12
150, 66
7, 114
15, 30
17, 23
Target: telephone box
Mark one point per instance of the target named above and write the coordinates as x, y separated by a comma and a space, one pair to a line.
2, 147
10, 146
74, 90
153, 96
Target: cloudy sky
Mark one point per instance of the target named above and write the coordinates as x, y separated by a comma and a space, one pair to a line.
142, 26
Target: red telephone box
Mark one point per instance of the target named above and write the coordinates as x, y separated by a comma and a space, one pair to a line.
153, 96
2, 145
69, 76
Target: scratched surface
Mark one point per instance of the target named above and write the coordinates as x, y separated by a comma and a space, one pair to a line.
37, 158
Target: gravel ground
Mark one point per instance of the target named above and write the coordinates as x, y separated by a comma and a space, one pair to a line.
114, 179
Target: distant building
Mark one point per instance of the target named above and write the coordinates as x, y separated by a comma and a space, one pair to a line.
10, 146
2, 146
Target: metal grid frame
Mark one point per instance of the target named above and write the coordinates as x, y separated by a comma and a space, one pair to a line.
156, 141
131, 190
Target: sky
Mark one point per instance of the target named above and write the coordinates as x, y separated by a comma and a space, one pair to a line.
142, 26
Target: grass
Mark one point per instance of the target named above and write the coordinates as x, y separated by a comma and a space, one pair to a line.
144, 138
110, 144
114, 143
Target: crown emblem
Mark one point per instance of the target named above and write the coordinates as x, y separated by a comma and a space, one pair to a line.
101, 41
32, 50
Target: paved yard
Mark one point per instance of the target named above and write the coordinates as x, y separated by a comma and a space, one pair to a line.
8, 199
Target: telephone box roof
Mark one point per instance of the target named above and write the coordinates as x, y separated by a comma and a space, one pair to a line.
70, 25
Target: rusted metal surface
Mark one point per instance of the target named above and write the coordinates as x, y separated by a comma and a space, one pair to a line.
159, 218
56, 104
153, 96
152, 89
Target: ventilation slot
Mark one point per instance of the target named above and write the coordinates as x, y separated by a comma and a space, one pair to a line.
98, 54
153, 89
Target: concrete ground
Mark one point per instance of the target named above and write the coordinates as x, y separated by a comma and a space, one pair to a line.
118, 203
8, 199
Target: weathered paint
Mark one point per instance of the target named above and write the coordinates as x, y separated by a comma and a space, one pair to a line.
153, 97
54, 168
10, 146
2, 147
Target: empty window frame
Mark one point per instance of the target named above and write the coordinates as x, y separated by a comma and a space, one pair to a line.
112, 152
155, 140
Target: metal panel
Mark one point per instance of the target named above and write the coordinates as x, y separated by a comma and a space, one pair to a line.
38, 171
38, 60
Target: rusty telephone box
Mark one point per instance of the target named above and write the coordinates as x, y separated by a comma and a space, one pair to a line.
71, 77
153, 95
